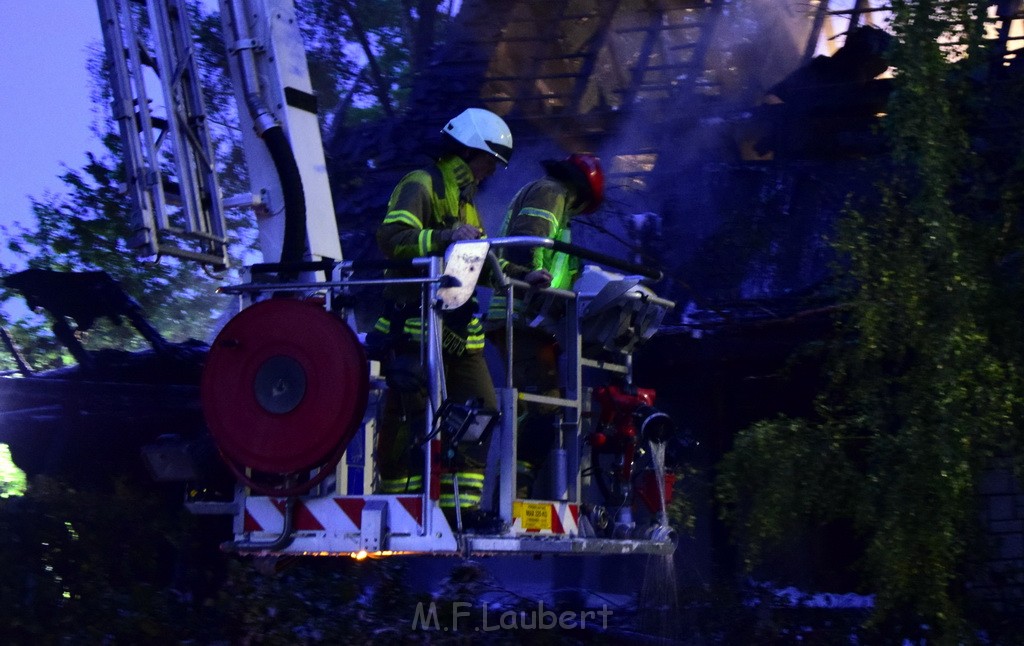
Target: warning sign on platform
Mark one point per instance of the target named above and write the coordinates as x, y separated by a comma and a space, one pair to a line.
534, 516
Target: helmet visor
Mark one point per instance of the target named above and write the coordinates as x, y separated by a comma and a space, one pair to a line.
502, 152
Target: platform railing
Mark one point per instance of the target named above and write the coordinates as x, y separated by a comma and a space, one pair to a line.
342, 277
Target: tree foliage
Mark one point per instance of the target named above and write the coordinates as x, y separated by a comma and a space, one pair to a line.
122, 567
85, 227
364, 55
12, 479
78, 565
923, 382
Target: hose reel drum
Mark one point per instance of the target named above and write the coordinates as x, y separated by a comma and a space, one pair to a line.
283, 391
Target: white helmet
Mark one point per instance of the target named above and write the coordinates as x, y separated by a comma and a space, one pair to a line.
484, 130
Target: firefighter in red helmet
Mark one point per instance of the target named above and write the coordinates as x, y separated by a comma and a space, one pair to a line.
543, 208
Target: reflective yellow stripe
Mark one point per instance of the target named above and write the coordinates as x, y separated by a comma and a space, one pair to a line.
465, 500
403, 480
424, 240
451, 341
561, 266
540, 213
405, 217
412, 488
475, 335
468, 477
497, 308
401, 485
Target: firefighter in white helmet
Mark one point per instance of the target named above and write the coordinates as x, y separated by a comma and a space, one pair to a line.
543, 208
429, 209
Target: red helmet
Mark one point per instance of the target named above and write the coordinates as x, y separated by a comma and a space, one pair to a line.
590, 165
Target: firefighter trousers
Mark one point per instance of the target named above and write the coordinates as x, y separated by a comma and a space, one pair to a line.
534, 370
403, 429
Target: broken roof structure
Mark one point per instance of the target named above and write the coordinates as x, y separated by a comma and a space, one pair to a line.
733, 129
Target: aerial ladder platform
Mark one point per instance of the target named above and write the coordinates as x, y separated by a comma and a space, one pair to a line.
293, 403
290, 397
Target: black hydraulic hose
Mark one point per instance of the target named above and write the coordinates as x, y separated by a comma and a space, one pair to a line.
597, 473
269, 129
294, 246
618, 264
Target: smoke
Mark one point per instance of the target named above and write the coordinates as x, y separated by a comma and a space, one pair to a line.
675, 153
499, 189
668, 157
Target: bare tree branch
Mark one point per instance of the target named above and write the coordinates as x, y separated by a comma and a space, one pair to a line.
381, 83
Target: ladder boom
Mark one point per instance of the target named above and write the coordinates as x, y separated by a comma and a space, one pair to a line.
270, 77
171, 174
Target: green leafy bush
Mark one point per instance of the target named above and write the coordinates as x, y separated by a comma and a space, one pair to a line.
923, 380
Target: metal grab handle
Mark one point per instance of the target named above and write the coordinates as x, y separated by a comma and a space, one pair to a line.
329, 265
580, 252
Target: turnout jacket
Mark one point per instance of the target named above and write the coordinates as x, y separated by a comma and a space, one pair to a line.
540, 209
424, 208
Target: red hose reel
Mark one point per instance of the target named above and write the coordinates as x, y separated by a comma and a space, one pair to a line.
283, 391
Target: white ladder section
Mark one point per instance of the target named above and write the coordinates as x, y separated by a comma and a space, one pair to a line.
176, 208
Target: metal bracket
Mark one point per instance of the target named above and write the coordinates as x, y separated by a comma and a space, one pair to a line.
374, 525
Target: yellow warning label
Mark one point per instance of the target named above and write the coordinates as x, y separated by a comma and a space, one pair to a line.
534, 516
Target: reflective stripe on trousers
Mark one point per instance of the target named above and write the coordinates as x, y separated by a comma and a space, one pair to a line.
471, 486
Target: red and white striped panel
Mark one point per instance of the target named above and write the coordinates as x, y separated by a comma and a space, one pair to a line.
544, 517
330, 515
